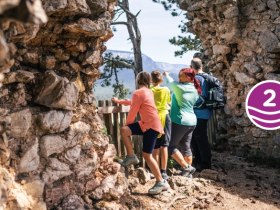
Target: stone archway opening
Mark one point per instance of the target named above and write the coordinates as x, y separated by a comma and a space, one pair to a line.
53, 151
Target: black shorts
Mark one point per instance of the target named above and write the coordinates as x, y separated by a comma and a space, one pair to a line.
149, 137
164, 140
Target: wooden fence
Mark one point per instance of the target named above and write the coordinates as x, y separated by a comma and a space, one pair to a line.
114, 117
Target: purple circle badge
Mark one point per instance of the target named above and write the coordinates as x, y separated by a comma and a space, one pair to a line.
263, 105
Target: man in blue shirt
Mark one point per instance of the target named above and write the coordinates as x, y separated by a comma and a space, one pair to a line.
200, 144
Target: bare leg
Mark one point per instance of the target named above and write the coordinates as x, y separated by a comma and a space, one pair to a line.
152, 163
188, 159
179, 158
156, 155
163, 157
126, 134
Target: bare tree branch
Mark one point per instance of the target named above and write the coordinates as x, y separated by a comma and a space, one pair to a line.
119, 23
135, 36
124, 6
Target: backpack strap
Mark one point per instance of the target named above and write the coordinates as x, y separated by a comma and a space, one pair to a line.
201, 104
211, 80
204, 76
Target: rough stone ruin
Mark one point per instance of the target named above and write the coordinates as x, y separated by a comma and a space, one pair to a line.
241, 41
54, 153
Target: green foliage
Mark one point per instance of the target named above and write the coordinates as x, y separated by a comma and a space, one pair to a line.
120, 91
112, 65
184, 41
171, 163
104, 130
169, 5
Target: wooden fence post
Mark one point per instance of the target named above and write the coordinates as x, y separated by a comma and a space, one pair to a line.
211, 128
123, 116
116, 130
109, 118
101, 104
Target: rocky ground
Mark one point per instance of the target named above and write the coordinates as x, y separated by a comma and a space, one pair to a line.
232, 184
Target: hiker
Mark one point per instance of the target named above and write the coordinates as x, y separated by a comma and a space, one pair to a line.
149, 126
162, 100
200, 144
185, 94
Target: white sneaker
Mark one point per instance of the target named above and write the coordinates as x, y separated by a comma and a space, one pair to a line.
159, 187
188, 171
128, 160
165, 176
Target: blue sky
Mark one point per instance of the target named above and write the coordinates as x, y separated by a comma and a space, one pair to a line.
157, 26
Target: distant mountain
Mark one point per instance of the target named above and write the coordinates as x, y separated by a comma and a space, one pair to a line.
172, 68
148, 63
127, 76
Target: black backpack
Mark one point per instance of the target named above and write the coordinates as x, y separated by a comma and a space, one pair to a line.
215, 98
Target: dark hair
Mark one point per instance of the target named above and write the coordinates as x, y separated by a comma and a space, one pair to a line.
196, 63
143, 78
191, 73
156, 77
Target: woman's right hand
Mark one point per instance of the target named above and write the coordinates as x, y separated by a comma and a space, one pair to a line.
115, 99
165, 73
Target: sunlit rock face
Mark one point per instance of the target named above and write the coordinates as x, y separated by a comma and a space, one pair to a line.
53, 150
241, 41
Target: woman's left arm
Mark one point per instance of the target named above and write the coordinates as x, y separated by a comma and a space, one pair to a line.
172, 85
125, 102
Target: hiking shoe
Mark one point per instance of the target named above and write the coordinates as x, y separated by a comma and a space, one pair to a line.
164, 176
188, 171
159, 187
128, 160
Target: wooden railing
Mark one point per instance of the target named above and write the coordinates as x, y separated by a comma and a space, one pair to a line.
114, 117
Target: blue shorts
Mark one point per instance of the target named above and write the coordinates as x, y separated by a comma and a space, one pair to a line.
149, 137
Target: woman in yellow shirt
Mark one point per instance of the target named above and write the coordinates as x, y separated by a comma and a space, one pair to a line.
162, 100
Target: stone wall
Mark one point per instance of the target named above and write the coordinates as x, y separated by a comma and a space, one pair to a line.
54, 152
53, 149
241, 40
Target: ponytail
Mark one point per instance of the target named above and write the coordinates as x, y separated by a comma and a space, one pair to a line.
197, 86
191, 73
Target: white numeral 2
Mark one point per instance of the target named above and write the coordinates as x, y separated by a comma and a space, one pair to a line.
268, 103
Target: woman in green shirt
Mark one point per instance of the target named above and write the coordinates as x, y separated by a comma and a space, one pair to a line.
185, 94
